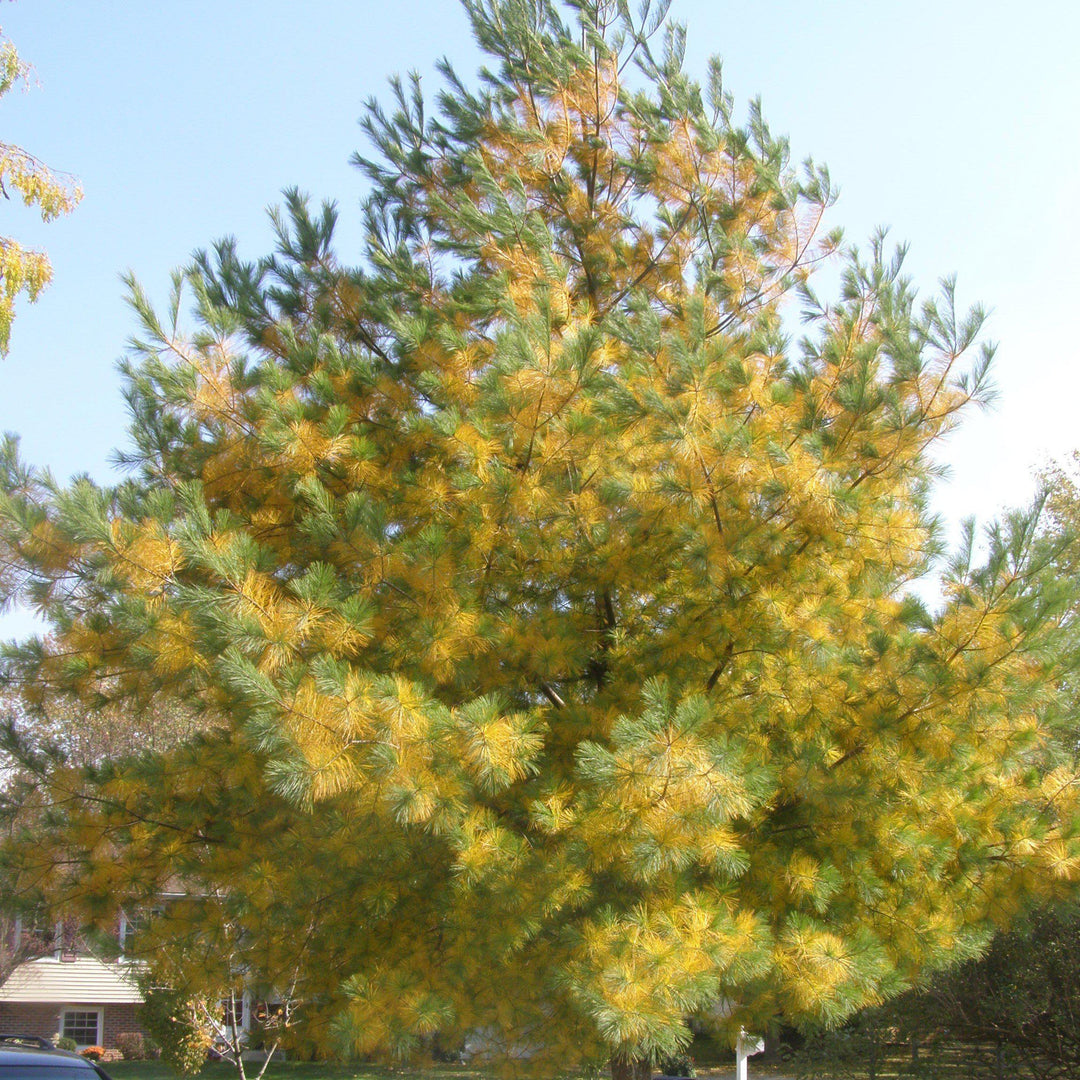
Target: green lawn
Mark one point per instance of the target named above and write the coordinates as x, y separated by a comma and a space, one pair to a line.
301, 1070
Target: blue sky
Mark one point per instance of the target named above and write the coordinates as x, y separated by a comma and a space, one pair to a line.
955, 123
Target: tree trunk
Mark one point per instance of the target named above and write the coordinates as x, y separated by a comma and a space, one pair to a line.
622, 1068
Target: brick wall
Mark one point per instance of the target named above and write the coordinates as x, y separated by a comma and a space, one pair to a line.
23, 1018
118, 1019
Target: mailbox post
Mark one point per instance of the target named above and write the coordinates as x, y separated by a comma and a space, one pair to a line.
745, 1046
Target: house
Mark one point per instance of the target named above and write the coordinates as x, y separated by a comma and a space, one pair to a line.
81, 997
58, 987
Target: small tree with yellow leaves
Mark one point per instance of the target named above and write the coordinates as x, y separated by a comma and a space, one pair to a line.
24, 270
561, 601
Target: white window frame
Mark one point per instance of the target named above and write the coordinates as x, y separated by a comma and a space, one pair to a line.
245, 1004
97, 1010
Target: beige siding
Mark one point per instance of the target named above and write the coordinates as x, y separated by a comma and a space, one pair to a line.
69, 982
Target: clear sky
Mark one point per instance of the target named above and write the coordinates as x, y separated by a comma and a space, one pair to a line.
956, 123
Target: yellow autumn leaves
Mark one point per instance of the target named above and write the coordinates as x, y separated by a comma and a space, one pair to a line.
23, 270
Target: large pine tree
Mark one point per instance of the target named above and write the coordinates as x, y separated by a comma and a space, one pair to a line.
548, 597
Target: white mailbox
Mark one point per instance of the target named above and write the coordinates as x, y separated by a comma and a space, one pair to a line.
746, 1046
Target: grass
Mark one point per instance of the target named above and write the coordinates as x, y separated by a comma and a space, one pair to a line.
710, 1058
944, 1060
299, 1070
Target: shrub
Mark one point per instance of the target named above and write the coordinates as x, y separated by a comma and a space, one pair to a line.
679, 1064
172, 1019
64, 1043
132, 1046
94, 1053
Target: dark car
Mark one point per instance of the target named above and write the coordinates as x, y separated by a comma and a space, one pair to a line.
26, 1057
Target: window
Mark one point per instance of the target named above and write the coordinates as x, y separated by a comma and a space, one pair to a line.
130, 925
232, 1013
82, 1025
39, 927
134, 924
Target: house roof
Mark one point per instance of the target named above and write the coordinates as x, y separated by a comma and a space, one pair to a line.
82, 981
